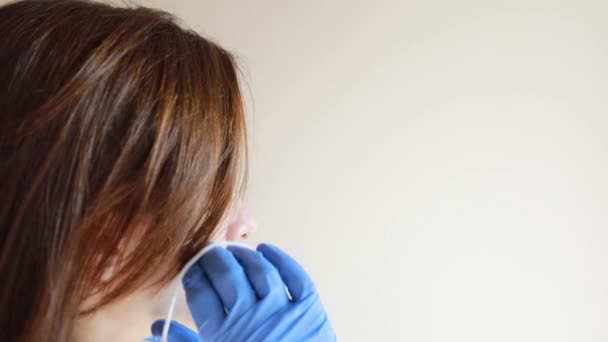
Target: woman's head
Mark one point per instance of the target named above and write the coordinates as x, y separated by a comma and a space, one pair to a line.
122, 148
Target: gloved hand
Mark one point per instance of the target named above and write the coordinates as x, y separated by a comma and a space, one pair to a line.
237, 294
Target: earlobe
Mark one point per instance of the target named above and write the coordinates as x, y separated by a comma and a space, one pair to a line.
125, 247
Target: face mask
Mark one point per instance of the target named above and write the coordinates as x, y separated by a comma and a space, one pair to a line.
178, 296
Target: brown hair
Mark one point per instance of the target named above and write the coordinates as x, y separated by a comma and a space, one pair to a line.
122, 145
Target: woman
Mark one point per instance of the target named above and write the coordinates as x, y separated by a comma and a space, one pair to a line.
122, 154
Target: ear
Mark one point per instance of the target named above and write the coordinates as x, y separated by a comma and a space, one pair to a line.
126, 245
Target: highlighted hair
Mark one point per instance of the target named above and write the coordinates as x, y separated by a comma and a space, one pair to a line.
122, 146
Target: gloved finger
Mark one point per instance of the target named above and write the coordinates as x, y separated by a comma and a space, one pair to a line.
263, 276
177, 332
298, 282
204, 302
229, 280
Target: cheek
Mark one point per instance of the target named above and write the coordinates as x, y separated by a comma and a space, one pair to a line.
220, 236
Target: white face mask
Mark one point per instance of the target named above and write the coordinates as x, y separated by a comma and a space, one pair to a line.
178, 297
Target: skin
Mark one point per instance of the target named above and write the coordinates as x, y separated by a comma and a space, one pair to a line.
130, 319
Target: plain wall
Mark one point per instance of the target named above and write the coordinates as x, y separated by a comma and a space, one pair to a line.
438, 166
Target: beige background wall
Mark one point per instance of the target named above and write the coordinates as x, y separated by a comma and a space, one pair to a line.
438, 166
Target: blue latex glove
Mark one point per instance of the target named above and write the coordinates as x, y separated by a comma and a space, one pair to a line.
237, 294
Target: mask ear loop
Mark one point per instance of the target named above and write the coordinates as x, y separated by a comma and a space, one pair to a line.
195, 258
